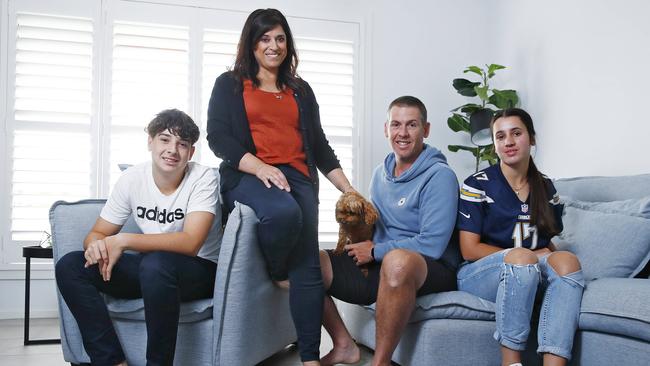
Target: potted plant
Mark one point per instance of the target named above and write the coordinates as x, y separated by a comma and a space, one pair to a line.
475, 116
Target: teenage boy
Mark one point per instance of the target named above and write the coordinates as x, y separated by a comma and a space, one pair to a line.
175, 204
416, 194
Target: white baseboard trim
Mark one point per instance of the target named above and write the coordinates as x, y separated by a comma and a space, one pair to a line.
34, 314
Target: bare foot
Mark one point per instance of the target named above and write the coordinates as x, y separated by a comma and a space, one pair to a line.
284, 284
347, 354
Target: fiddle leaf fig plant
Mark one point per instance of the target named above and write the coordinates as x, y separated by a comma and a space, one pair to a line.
488, 99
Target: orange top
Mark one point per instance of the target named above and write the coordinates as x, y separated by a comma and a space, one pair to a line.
274, 122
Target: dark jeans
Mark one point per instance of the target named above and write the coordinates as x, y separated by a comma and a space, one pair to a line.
288, 238
162, 279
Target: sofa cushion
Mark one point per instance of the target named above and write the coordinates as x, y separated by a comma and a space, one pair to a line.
450, 305
604, 189
607, 244
634, 207
617, 306
133, 309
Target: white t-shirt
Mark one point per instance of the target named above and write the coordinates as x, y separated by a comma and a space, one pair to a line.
136, 193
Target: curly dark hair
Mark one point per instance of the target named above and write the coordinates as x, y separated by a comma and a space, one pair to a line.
176, 121
259, 22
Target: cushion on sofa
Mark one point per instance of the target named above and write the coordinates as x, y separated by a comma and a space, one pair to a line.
607, 244
617, 306
634, 207
604, 189
450, 305
133, 309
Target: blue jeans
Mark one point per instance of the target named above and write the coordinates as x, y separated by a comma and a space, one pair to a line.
288, 237
161, 279
513, 288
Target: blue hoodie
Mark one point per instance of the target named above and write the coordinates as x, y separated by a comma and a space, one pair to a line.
418, 208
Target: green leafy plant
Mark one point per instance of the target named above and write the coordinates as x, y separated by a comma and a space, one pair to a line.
487, 98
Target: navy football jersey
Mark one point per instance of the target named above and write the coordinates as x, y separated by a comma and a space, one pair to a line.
489, 207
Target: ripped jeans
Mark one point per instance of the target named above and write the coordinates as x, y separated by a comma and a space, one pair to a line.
513, 288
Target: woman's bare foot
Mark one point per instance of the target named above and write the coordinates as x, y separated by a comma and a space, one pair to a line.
348, 353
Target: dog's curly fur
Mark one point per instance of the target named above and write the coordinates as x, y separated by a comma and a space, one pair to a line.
356, 217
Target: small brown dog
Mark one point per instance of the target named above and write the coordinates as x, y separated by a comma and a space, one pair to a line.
356, 217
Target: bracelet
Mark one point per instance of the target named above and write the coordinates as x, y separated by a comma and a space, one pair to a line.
372, 253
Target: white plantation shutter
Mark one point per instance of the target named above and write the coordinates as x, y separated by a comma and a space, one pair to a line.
328, 66
150, 72
219, 50
51, 154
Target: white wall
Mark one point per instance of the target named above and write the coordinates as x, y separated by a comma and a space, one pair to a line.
418, 48
582, 68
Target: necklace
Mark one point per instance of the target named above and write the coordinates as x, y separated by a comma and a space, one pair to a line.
518, 189
277, 96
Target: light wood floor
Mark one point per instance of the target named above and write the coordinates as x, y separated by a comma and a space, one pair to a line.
14, 353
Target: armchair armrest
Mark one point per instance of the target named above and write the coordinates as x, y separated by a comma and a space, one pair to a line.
70, 223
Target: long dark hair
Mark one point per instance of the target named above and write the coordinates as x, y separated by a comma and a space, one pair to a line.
541, 214
259, 22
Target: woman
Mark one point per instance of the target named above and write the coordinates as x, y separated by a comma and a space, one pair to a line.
263, 121
507, 215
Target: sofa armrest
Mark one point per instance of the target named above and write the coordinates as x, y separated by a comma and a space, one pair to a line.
71, 222
251, 316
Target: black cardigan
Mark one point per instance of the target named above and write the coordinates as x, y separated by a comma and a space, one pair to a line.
229, 134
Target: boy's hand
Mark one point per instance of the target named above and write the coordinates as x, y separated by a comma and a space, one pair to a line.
96, 253
115, 246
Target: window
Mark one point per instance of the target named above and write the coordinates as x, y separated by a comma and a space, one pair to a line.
150, 72
84, 78
51, 154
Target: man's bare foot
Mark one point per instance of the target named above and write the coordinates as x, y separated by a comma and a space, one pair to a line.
345, 354
284, 284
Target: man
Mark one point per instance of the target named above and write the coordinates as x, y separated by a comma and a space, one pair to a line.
176, 205
416, 194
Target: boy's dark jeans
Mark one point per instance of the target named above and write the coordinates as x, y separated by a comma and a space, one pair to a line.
162, 279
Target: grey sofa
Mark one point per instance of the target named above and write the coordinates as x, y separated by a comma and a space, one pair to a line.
607, 224
245, 322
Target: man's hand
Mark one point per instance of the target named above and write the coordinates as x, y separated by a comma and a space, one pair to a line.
361, 252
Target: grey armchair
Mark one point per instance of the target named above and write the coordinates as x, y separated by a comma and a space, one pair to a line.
245, 322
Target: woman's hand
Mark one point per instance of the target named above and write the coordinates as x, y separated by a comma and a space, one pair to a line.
269, 174
340, 181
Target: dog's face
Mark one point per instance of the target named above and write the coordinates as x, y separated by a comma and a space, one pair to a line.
353, 209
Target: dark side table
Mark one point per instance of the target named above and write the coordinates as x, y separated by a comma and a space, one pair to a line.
29, 252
